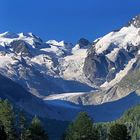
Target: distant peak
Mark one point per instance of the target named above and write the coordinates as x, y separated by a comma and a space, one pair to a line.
62, 43
30, 35
83, 42
33, 35
26, 34
52, 42
9, 35
59, 44
135, 22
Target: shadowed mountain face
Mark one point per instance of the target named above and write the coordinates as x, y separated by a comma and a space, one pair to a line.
21, 98
13, 91
20, 47
83, 42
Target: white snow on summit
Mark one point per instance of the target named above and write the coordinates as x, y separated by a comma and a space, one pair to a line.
113, 43
120, 39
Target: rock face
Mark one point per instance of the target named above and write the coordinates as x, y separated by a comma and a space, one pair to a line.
113, 53
83, 42
20, 47
99, 68
96, 68
135, 22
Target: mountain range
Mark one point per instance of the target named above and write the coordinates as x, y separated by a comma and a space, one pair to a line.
58, 79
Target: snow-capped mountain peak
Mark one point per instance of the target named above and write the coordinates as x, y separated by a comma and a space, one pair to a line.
135, 21
82, 44
34, 63
9, 35
114, 55
60, 44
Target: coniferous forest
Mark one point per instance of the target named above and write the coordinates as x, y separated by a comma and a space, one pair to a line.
16, 125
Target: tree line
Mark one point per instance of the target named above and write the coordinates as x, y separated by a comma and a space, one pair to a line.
15, 126
83, 128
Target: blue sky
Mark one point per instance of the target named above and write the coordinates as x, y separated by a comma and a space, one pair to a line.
66, 19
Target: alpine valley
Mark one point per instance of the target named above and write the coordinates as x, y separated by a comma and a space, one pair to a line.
58, 80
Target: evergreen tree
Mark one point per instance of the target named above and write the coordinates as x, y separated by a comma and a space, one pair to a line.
7, 118
118, 132
103, 131
3, 135
82, 129
36, 131
22, 125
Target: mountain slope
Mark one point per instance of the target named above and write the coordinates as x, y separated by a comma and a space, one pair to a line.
20, 97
